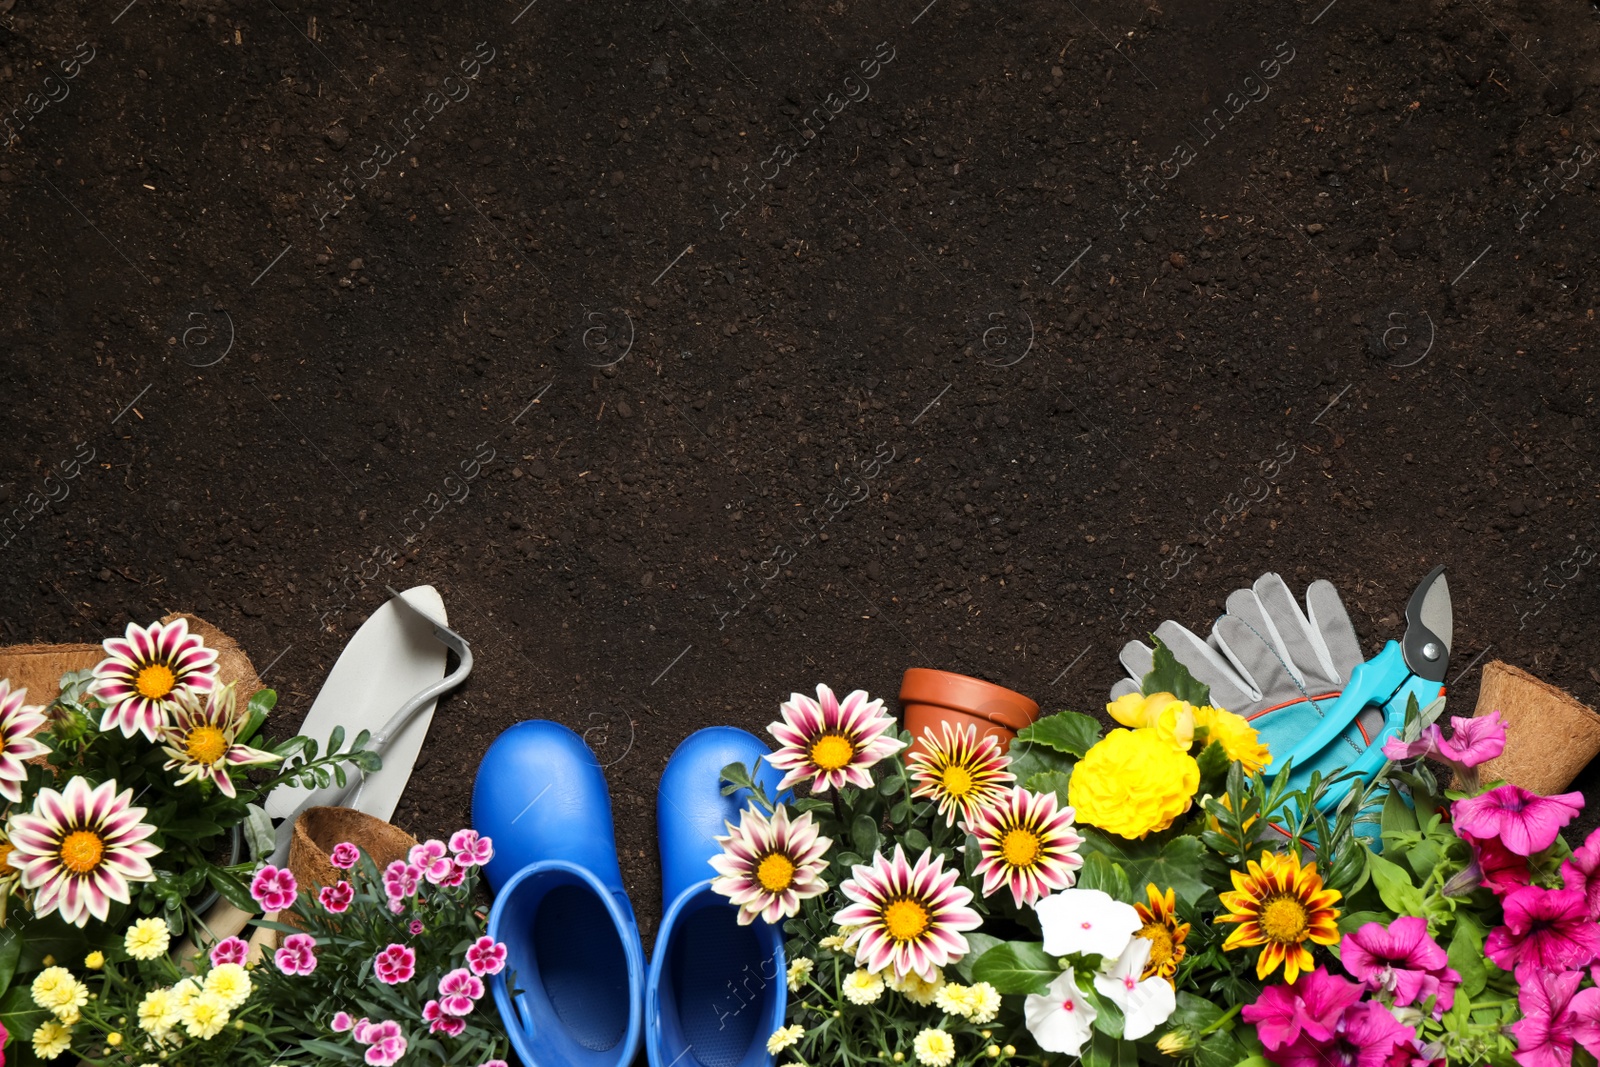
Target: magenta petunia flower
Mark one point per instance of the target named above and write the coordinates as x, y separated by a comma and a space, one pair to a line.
1474, 740
229, 950
1582, 872
18, 724
274, 889
1548, 929
470, 849
1403, 960
298, 955
146, 670
1584, 1013
1545, 1032
395, 964
1493, 866
1525, 822
336, 898
1365, 1036
1311, 1005
486, 956
829, 743
344, 855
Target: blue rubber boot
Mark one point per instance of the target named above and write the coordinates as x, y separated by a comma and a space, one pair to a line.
572, 991
717, 990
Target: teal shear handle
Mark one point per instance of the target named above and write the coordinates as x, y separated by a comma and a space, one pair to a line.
1383, 681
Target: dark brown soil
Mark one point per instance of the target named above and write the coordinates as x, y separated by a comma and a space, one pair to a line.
981, 376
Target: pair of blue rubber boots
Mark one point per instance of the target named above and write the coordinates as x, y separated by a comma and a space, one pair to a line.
576, 991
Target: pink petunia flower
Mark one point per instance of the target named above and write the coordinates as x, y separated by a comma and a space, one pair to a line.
1582, 872
432, 858
1493, 866
298, 954
344, 855
336, 898
1365, 1036
486, 956
470, 849
1473, 740
229, 950
342, 1022
1585, 1016
395, 964
1403, 960
274, 889
1311, 1005
458, 991
1525, 822
1545, 1032
401, 879
1548, 929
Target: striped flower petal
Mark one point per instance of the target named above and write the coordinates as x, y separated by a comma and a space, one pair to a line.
829, 742
963, 772
1027, 844
79, 848
767, 867
18, 722
146, 672
906, 919
201, 742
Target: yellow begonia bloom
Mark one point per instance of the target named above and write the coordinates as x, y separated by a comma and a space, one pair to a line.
1132, 783
1171, 718
1237, 737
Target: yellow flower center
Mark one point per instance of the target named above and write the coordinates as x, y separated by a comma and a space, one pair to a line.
206, 744
905, 919
775, 873
1284, 919
6, 849
81, 851
832, 752
957, 781
1020, 848
1160, 939
155, 681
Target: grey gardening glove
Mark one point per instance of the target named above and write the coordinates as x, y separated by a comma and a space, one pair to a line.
1263, 652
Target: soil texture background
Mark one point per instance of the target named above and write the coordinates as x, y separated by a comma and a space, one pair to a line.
699, 351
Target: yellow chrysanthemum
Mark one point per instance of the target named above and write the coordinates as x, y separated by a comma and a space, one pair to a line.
783, 1037
862, 987
1133, 782
1172, 719
56, 990
205, 1016
832, 941
1280, 905
952, 999
159, 1012
147, 939
185, 992
934, 1048
799, 971
51, 1039
230, 982
1237, 737
916, 990
983, 1003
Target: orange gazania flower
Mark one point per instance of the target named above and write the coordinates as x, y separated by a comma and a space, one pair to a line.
1280, 905
1164, 932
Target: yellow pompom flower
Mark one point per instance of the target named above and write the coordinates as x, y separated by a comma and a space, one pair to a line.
147, 939
94, 961
51, 1039
934, 1048
783, 1037
1172, 719
205, 1016
983, 1003
1237, 737
230, 982
57, 990
952, 999
159, 1013
799, 972
914, 989
862, 987
1132, 783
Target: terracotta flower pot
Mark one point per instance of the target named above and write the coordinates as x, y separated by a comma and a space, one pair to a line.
931, 697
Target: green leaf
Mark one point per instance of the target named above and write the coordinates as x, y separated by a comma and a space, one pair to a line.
1466, 954
1016, 967
1066, 731
233, 891
1394, 886
1100, 872
915, 841
1195, 1013
1051, 782
335, 739
263, 701
20, 1015
1351, 921
1167, 675
1177, 864
864, 834
11, 952
891, 784
977, 945
1107, 1051
1037, 759
1220, 1050
1214, 763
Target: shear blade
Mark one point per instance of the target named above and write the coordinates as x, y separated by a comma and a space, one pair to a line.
1430, 627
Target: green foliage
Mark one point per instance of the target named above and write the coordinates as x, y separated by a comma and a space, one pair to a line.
1167, 675
1179, 863
1016, 967
1068, 732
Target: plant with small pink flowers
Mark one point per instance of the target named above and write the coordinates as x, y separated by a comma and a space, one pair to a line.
404, 944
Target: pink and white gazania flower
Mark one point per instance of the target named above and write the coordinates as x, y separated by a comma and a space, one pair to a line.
831, 743
298, 954
767, 867
1061, 1018
395, 964
146, 671
79, 849
459, 991
439, 1022
229, 950
432, 858
486, 956
470, 849
1028, 845
962, 772
906, 919
274, 888
201, 739
344, 855
18, 722
337, 898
